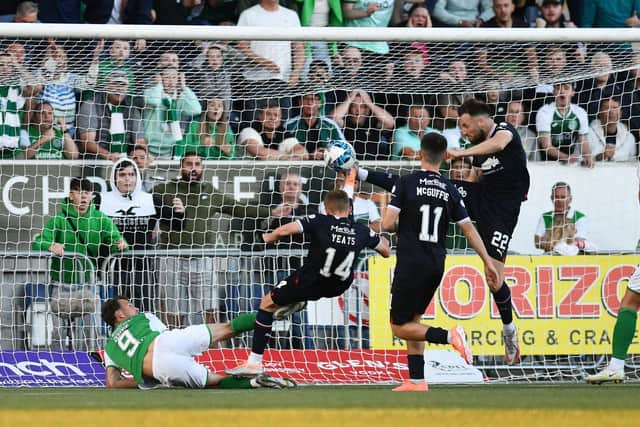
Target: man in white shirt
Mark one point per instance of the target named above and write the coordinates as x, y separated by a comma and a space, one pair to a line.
273, 58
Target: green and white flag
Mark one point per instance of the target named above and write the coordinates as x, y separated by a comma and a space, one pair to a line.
117, 130
10, 104
172, 120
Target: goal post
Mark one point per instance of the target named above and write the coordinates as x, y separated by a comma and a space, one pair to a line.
78, 99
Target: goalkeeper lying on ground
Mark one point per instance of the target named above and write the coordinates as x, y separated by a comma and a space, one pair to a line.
156, 356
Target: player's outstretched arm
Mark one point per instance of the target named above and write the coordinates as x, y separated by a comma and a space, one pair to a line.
282, 231
390, 219
492, 145
475, 241
114, 379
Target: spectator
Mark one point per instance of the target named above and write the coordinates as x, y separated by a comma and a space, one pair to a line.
326, 13
365, 125
554, 65
406, 139
564, 230
603, 85
274, 58
61, 85
563, 127
495, 100
610, 13
364, 210
136, 215
165, 104
18, 53
504, 16
553, 15
491, 59
460, 169
60, 12
211, 136
108, 125
517, 117
118, 60
408, 83
189, 295
213, 72
78, 227
314, 130
119, 12
446, 119
462, 13
25, 12
289, 199
418, 18
609, 138
348, 73
320, 77
143, 160
11, 107
267, 139
365, 13
46, 140
631, 97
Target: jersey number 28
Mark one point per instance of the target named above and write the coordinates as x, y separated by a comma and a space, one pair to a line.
343, 270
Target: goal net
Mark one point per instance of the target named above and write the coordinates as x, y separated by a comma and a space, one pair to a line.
259, 107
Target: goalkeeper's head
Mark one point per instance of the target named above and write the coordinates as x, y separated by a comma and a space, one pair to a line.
474, 120
336, 203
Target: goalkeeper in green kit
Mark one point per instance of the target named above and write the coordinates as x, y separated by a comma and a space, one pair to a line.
158, 357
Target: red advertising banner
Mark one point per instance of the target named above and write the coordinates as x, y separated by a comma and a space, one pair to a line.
319, 366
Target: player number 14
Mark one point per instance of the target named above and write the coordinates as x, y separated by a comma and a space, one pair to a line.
343, 270
426, 223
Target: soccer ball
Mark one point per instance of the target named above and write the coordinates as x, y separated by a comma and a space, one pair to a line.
339, 156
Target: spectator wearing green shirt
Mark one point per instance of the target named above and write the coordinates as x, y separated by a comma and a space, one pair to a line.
165, 104
312, 129
46, 141
406, 139
211, 136
368, 13
119, 53
81, 228
610, 13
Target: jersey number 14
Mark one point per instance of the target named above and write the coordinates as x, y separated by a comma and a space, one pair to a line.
343, 271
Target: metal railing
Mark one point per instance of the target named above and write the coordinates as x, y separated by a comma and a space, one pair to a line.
20, 269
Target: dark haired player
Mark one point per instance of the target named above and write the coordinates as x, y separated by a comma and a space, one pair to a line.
493, 200
336, 241
502, 184
422, 205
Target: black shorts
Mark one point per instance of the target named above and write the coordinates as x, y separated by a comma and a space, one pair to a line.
413, 287
495, 218
298, 288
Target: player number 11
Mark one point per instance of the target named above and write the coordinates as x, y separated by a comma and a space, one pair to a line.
424, 235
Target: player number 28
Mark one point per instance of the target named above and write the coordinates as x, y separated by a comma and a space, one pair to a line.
343, 270
426, 223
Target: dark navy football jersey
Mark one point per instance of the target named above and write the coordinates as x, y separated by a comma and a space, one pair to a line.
427, 202
335, 245
505, 174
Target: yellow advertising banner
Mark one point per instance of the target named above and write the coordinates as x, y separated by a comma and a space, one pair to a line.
562, 305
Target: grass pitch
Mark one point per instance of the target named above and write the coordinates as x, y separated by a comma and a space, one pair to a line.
496, 405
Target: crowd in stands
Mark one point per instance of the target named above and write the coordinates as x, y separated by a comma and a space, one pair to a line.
65, 100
